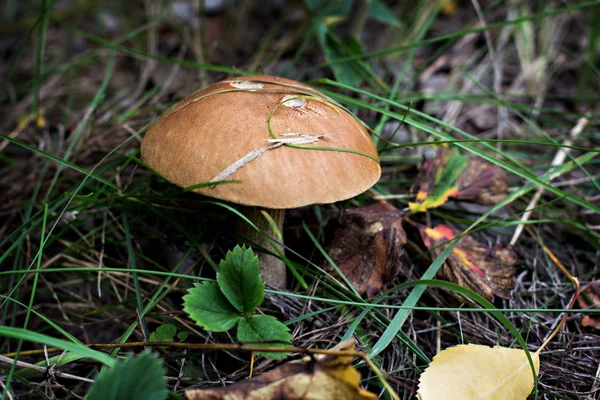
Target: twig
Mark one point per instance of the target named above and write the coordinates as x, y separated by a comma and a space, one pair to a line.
223, 346
180, 375
596, 384
17, 131
300, 138
496, 66
8, 395
37, 368
253, 155
571, 303
392, 196
101, 257
559, 159
438, 337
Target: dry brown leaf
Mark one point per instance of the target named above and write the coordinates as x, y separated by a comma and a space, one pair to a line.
482, 182
323, 377
488, 271
452, 175
367, 249
472, 371
590, 298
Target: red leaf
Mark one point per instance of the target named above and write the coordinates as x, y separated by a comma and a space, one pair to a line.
486, 270
482, 182
590, 298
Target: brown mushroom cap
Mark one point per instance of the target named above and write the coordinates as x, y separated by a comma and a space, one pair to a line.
216, 126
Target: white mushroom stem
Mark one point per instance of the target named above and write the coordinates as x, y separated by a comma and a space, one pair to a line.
272, 269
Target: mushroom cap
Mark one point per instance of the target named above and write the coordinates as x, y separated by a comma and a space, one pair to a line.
215, 127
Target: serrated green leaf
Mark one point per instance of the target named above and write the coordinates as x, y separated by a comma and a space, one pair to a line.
135, 378
164, 333
239, 279
209, 308
264, 328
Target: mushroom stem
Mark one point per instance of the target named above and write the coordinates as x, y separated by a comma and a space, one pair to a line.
272, 269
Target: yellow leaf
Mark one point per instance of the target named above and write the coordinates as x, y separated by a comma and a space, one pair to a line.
40, 120
448, 6
472, 371
321, 377
424, 203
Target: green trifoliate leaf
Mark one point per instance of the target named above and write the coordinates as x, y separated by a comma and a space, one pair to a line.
240, 281
207, 306
139, 378
264, 328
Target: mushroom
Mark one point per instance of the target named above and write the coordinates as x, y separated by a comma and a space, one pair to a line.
268, 143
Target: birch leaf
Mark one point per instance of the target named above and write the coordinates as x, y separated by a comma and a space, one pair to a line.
472, 371
321, 377
209, 308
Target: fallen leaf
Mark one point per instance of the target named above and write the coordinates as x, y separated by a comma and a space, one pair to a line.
448, 6
40, 120
473, 371
486, 270
209, 308
438, 179
590, 298
452, 175
368, 247
482, 182
321, 377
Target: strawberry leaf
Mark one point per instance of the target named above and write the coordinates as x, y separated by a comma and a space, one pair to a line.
239, 280
264, 328
135, 378
207, 306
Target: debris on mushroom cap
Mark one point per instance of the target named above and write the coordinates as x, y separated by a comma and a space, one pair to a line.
293, 102
225, 128
246, 85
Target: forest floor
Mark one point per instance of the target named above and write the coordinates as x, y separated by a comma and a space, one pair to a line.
515, 83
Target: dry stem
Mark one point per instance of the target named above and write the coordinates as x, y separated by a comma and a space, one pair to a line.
559, 159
